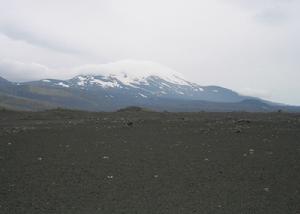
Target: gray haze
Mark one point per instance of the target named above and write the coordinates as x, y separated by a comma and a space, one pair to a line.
251, 46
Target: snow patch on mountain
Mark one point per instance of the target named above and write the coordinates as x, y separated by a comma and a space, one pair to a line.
63, 85
82, 80
142, 95
105, 84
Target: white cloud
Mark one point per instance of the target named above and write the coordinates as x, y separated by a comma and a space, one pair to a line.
254, 92
18, 33
20, 71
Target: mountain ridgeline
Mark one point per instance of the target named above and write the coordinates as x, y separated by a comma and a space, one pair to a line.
113, 91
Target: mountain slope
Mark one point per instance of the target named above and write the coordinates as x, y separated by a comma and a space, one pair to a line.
24, 104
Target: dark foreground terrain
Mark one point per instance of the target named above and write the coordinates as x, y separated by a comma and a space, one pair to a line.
68, 162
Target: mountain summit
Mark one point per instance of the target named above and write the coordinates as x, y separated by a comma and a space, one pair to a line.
131, 72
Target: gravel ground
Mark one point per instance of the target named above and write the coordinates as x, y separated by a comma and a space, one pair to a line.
68, 162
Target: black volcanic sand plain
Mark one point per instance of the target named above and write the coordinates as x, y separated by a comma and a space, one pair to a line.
69, 162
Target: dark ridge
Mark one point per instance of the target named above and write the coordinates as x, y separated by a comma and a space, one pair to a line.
134, 109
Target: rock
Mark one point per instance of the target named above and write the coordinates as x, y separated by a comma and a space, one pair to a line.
238, 131
243, 121
129, 123
251, 151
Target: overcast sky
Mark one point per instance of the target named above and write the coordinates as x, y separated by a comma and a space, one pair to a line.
251, 46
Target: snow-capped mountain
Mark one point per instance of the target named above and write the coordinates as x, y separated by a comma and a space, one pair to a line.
145, 87
126, 83
140, 79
